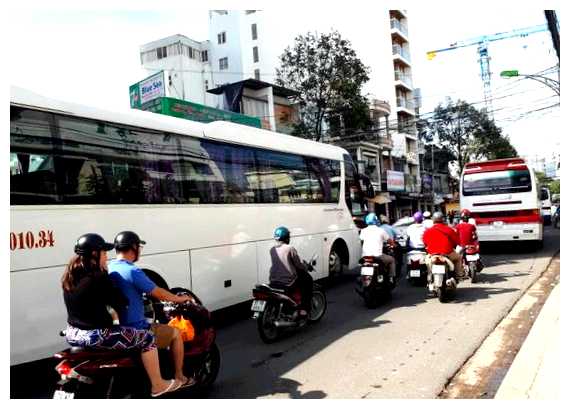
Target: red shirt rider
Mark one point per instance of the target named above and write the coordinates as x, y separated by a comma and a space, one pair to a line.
440, 239
467, 234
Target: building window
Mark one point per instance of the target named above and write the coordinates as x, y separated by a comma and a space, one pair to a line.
254, 31
161, 52
204, 55
256, 74
222, 38
206, 85
224, 63
255, 54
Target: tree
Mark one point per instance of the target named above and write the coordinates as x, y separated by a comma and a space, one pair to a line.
468, 133
328, 75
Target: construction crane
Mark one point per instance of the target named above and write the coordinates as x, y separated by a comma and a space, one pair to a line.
482, 44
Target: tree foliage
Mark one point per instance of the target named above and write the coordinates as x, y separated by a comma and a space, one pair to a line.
328, 75
468, 133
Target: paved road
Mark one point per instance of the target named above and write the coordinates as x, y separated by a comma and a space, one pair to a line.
406, 349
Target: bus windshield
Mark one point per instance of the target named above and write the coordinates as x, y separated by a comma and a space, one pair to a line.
488, 183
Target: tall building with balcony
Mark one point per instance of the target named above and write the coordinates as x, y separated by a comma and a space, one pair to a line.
406, 158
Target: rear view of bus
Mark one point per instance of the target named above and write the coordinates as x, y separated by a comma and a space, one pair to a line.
503, 197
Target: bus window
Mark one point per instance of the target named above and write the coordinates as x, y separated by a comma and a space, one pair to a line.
353, 192
32, 171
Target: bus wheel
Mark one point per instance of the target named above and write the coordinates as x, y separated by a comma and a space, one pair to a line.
335, 263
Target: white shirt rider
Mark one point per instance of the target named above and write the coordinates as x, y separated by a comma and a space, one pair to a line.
415, 233
373, 238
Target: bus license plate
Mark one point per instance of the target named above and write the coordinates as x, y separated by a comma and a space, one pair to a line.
63, 395
415, 273
258, 305
438, 269
367, 271
472, 257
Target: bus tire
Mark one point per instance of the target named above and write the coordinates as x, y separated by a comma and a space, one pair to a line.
338, 257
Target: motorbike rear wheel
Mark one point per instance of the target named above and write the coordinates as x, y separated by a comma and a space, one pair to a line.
441, 293
208, 369
473, 271
318, 306
265, 324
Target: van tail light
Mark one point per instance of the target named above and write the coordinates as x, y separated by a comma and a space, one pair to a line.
63, 368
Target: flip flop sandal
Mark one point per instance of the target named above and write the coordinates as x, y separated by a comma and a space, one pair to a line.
174, 385
189, 382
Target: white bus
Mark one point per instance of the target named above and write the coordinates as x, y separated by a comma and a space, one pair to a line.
503, 197
205, 197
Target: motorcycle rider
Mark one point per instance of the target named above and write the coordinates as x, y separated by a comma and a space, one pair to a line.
415, 233
133, 282
287, 269
428, 222
467, 231
442, 239
385, 224
373, 238
87, 292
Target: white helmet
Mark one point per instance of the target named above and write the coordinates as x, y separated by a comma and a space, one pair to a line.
427, 215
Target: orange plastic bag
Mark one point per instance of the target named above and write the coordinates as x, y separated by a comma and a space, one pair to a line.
184, 326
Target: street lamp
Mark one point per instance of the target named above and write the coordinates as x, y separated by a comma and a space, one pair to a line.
549, 82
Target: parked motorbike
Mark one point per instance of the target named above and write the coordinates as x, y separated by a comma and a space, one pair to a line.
96, 373
440, 276
374, 284
417, 267
277, 309
472, 264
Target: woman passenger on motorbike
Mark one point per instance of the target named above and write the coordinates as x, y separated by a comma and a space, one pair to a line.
87, 292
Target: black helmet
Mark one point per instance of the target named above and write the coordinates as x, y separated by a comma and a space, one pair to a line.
438, 217
90, 242
127, 239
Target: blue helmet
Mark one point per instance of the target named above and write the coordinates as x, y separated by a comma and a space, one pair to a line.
282, 233
371, 219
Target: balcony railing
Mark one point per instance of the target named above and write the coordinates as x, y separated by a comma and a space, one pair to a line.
397, 24
397, 49
406, 79
402, 102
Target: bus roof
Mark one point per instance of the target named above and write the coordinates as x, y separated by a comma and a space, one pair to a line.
494, 165
217, 130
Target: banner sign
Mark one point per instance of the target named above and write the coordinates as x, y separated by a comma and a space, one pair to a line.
147, 90
395, 181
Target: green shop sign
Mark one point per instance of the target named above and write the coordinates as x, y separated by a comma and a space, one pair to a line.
196, 112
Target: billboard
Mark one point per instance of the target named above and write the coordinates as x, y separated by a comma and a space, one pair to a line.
147, 90
395, 181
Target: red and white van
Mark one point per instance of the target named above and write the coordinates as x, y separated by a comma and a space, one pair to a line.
504, 199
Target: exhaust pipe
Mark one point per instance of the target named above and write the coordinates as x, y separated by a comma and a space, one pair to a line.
451, 283
284, 324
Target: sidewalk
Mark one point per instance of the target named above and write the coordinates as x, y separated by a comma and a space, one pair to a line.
535, 372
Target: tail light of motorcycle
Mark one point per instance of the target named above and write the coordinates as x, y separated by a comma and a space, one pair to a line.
259, 295
415, 264
63, 368
369, 259
472, 249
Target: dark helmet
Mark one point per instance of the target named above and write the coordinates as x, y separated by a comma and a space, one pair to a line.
438, 217
90, 242
282, 233
127, 239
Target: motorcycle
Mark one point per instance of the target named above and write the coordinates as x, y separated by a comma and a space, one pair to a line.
374, 284
472, 264
95, 373
277, 309
416, 266
440, 279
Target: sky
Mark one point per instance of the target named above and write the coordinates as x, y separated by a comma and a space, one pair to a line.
90, 54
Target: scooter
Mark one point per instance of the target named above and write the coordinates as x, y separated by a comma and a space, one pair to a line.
472, 264
440, 279
374, 284
417, 267
277, 309
97, 373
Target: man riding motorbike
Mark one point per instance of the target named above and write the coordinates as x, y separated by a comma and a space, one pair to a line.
287, 269
442, 239
373, 238
428, 222
415, 233
133, 282
467, 231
